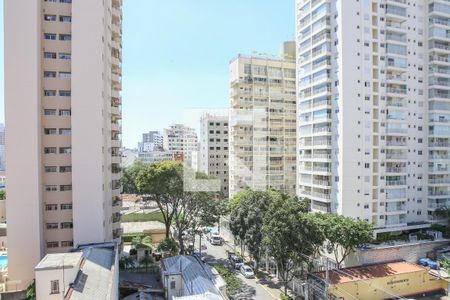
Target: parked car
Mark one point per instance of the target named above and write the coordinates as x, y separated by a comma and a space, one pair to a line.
216, 240
247, 271
236, 262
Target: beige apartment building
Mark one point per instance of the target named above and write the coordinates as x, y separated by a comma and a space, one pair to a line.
62, 109
263, 122
214, 149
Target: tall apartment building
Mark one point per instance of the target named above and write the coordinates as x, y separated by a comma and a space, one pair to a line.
262, 122
213, 156
374, 109
2, 148
151, 141
181, 140
62, 108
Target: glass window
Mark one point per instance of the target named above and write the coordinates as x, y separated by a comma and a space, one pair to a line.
65, 19
50, 36
49, 93
50, 55
50, 17
64, 55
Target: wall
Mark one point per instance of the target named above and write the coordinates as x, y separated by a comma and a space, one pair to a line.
22, 114
403, 284
44, 278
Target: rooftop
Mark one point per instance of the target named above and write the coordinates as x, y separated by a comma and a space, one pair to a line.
370, 271
59, 261
95, 278
198, 277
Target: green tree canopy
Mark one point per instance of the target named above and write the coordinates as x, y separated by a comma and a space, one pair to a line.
344, 234
290, 235
129, 176
162, 183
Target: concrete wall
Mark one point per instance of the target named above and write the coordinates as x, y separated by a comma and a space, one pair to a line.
22, 114
408, 252
383, 288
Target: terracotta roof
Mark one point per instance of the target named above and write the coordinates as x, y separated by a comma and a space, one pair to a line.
131, 198
370, 271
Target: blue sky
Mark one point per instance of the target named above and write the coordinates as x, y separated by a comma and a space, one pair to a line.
176, 54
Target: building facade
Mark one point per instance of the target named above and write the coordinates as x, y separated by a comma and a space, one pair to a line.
154, 156
64, 170
213, 154
181, 140
374, 110
151, 141
2, 148
262, 122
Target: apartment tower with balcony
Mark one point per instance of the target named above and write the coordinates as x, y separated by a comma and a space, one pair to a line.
374, 109
181, 140
62, 107
262, 122
214, 149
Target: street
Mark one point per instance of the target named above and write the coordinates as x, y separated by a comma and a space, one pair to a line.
252, 288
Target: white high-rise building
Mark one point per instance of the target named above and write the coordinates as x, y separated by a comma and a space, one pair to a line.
151, 141
180, 140
62, 109
263, 122
374, 109
213, 154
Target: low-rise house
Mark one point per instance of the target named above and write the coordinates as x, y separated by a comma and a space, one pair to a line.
375, 282
89, 272
188, 278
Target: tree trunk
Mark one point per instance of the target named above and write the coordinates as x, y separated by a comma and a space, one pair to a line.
180, 241
167, 224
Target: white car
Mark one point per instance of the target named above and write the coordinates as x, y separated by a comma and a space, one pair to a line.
215, 239
247, 271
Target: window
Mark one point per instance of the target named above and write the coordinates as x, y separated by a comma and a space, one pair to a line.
65, 188
51, 207
49, 131
65, 93
50, 112
65, 131
53, 245
65, 169
51, 188
50, 55
50, 17
67, 244
49, 74
52, 225
64, 112
65, 19
64, 75
50, 36
66, 206
49, 93
54, 284
54, 1
50, 169
65, 37
65, 1
172, 285
65, 150
64, 55
50, 150
66, 225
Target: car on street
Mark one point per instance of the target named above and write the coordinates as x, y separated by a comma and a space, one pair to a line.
216, 239
236, 262
247, 272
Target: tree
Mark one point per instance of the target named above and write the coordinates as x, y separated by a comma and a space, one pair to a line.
163, 183
195, 209
31, 291
168, 245
248, 209
290, 235
444, 212
247, 215
344, 234
2, 194
129, 176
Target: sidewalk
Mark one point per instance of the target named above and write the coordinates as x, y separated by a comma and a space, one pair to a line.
267, 281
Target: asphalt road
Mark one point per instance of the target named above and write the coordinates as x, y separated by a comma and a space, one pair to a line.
252, 289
